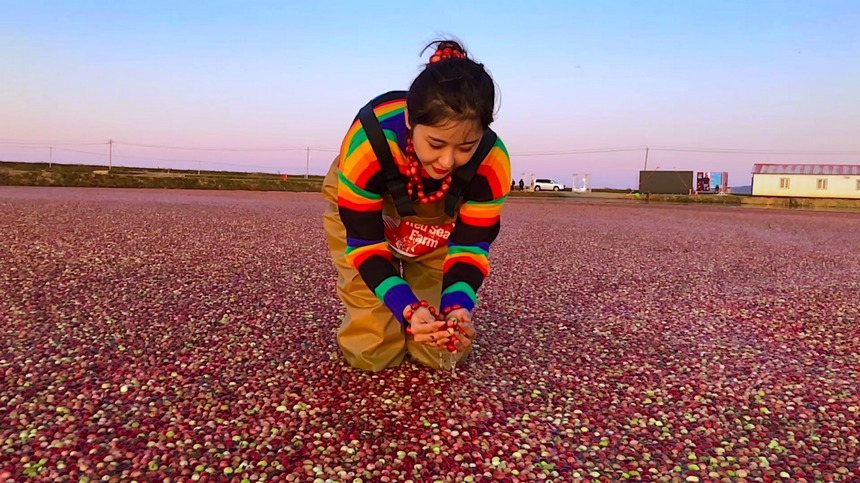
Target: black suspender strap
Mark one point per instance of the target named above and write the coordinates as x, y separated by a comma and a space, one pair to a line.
393, 179
464, 174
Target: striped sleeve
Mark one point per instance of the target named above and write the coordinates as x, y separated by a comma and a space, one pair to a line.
478, 222
361, 185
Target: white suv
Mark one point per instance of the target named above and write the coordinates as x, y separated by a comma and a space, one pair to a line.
547, 184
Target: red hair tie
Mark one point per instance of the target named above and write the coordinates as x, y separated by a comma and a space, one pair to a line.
446, 53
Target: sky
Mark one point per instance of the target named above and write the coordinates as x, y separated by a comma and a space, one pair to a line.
583, 87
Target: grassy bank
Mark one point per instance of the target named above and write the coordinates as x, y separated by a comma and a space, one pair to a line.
76, 175
841, 204
762, 201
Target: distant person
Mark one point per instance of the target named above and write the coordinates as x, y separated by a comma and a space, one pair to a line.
522, 185
513, 185
410, 165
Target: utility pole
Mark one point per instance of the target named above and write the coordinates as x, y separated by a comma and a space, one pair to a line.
50, 157
110, 154
198, 167
308, 162
646, 159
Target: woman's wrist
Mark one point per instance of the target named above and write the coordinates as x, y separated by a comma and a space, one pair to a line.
410, 310
449, 309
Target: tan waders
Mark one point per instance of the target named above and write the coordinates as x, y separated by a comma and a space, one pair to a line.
370, 337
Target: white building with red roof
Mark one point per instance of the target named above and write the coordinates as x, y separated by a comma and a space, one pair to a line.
806, 180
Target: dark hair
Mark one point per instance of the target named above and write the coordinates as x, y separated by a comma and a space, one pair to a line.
453, 89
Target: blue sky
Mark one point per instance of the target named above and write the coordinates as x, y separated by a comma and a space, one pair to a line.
231, 82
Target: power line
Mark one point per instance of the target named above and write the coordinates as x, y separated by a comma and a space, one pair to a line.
51, 142
581, 151
786, 152
28, 144
253, 166
81, 152
187, 148
139, 158
44, 145
795, 152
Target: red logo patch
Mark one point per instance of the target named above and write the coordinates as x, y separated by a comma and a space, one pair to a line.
415, 239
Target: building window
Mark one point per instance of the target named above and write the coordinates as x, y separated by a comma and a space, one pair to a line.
784, 183
821, 184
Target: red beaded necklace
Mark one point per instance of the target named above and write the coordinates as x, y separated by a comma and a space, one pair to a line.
415, 183
414, 170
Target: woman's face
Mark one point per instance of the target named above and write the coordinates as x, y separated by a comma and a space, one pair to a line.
444, 147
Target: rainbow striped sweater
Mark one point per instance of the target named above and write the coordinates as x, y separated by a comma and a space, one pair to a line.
361, 185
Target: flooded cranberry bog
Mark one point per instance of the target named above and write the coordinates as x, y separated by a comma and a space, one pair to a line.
160, 335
